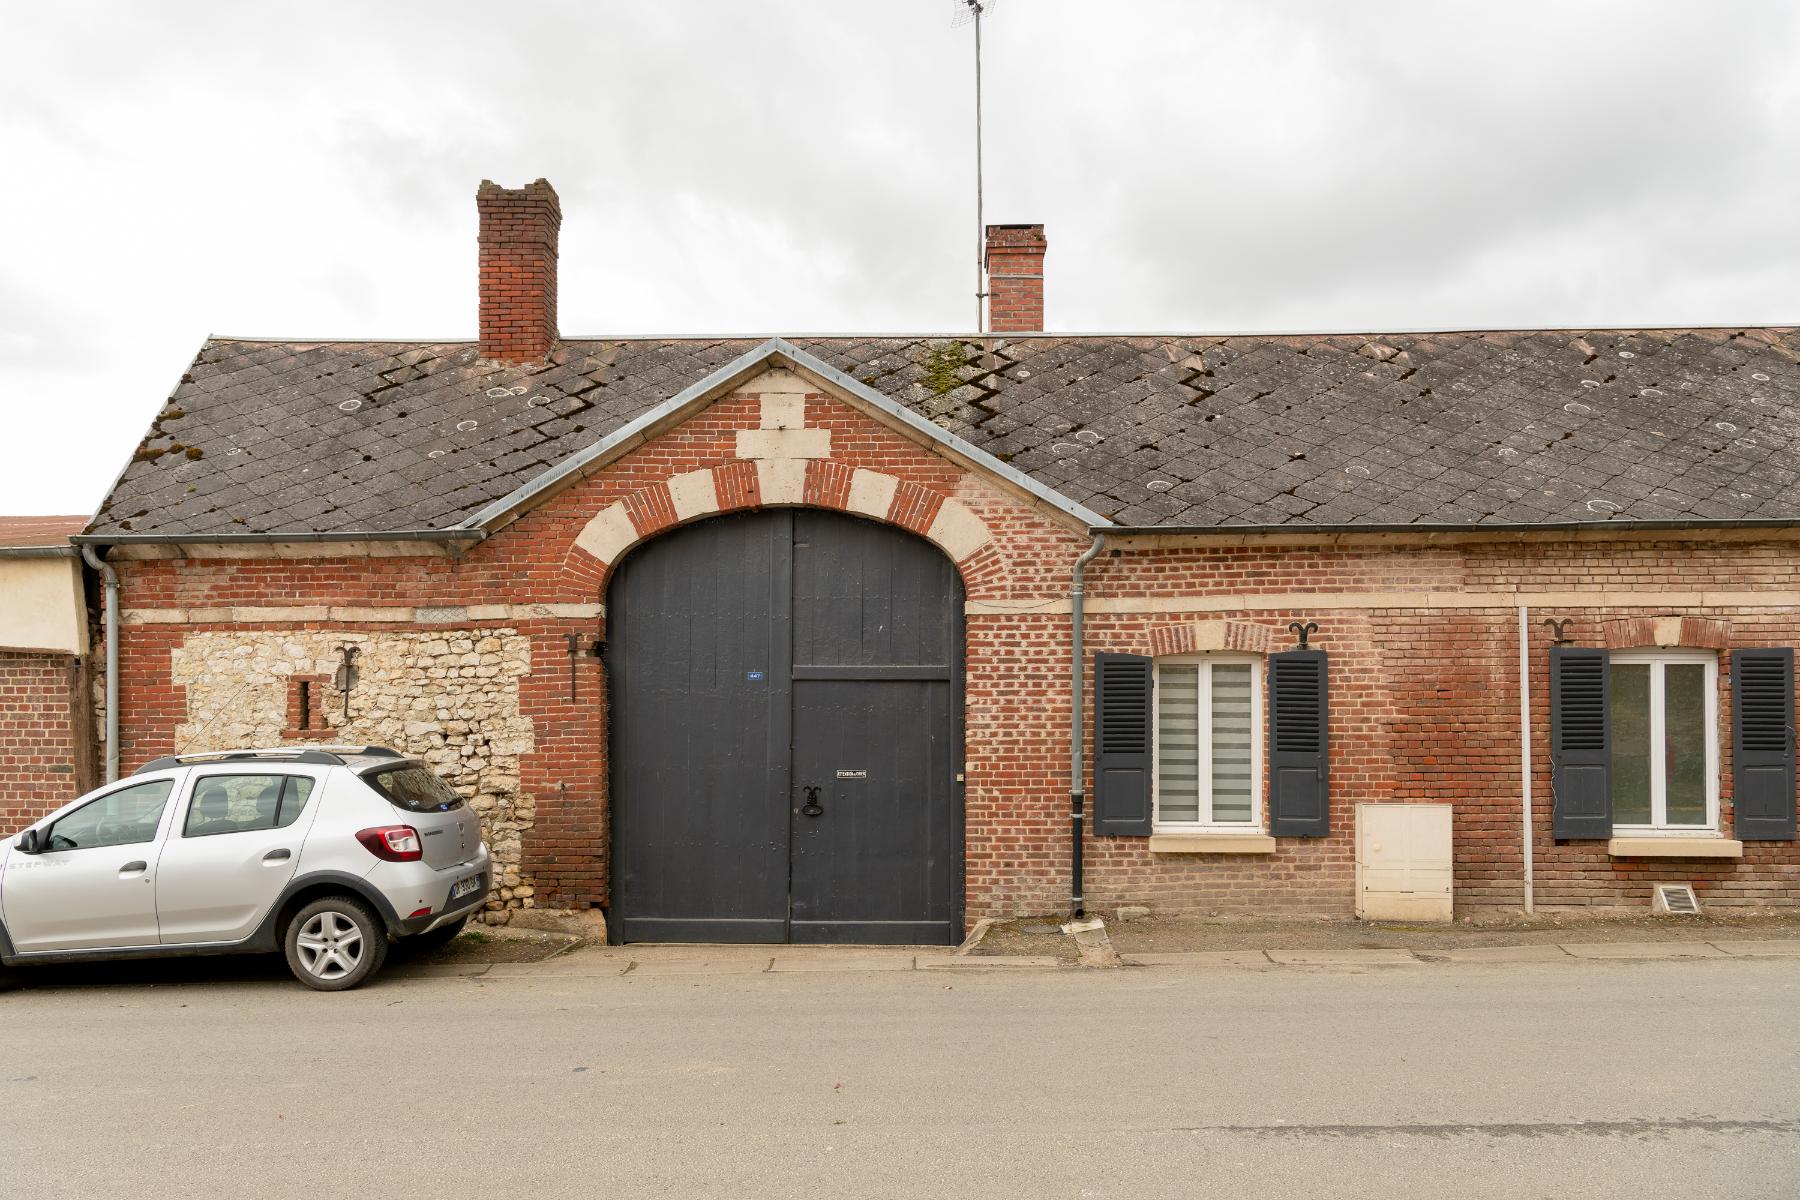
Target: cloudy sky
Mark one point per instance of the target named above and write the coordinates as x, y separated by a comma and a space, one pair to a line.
178, 168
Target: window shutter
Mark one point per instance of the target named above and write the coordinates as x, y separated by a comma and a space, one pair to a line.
1762, 743
1580, 743
1299, 722
1122, 745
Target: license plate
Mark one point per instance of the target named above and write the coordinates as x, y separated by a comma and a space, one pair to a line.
466, 887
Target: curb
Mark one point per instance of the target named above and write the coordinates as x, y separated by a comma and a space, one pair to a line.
704, 961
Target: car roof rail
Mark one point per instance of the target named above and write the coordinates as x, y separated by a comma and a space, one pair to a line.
319, 755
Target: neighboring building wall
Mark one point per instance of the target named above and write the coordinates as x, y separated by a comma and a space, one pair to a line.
46, 745
46, 714
1423, 642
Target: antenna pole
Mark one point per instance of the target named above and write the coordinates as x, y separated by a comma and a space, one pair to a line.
980, 228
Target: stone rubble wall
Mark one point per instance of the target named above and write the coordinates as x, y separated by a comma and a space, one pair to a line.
448, 697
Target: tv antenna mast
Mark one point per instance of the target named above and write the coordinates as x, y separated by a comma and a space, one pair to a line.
971, 11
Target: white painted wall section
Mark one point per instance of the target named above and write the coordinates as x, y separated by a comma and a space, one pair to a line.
41, 605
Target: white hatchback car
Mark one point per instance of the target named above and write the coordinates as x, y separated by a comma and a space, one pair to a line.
324, 854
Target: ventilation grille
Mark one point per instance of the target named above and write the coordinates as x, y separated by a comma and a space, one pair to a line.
1675, 900
1762, 699
1299, 703
1581, 701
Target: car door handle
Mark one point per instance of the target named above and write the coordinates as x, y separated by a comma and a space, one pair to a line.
275, 856
134, 868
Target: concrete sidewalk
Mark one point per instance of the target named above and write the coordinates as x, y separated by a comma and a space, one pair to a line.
668, 960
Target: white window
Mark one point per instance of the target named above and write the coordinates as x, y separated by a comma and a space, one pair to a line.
1665, 741
1209, 742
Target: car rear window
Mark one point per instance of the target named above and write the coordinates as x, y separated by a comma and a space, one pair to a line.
415, 789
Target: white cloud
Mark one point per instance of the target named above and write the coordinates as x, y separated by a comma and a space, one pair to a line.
801, 165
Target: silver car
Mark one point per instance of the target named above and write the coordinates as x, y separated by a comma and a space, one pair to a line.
324, 854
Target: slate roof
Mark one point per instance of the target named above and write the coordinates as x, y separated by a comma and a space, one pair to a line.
1460, 429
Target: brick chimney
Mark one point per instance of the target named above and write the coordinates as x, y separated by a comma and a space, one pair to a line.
518, 270
1015, 266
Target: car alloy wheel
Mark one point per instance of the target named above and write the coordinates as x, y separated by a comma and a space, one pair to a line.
334, 944
330, 946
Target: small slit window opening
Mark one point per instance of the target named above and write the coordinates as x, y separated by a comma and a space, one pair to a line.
1209, 743
1665, 742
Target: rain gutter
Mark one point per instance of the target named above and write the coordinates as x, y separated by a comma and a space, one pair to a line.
1445, 527
305, 535
37, 552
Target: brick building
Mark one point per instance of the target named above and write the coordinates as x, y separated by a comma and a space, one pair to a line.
769, 639
46, 706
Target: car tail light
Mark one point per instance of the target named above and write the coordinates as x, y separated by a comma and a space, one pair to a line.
395, 843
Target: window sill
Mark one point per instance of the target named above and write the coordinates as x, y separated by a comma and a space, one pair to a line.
1211, 843
1675, 847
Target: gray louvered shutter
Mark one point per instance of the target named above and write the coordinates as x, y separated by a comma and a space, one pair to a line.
1762, 743
1122, 745
1580, 742
1299, 745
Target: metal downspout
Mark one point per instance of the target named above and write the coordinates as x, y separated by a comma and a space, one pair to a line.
111, 579
1525, 745
1077, 774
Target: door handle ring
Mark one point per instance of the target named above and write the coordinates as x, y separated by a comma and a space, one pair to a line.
812, 807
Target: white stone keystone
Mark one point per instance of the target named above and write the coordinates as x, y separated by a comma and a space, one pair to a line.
781, 480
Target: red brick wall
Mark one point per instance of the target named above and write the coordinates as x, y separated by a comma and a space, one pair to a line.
46, 745
1424, 694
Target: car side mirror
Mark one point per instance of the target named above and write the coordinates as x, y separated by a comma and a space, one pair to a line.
30, 842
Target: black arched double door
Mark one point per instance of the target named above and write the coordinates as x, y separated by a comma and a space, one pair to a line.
785, 735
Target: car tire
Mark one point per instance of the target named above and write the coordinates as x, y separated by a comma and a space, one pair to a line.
435, 939
335, 944
9, 978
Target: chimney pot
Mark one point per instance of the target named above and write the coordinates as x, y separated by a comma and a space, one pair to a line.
519, 228
1015, 267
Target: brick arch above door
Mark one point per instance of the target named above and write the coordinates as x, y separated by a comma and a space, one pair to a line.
945, 521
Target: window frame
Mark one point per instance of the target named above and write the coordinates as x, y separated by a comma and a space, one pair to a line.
1657, 659
1257, 663
186, 817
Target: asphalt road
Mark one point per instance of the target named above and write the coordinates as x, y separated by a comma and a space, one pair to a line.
1585, 1079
